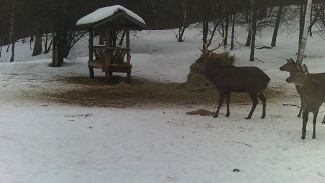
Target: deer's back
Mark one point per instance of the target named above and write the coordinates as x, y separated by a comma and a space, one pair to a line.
237, 78
319, 76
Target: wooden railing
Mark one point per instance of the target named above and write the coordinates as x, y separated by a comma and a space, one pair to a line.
101, 51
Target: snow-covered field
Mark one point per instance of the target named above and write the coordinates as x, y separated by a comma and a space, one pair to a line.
42, 141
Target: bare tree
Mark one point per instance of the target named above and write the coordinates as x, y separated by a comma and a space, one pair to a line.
319, 8
249, 36
38, 43
226, 14
11, 37
303, 42
254, 20
233, 31
276, 27
183, 25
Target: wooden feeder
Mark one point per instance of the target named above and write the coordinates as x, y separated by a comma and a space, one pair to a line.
108, 21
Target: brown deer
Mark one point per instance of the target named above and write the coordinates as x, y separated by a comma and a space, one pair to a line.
229, 79
313, 95
292, 67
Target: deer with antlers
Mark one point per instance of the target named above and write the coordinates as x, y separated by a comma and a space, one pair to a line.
229, 79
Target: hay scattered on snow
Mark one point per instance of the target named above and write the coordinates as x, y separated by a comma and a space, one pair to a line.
201, 112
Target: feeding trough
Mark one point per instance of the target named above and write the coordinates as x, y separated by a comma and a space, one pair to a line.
109, 57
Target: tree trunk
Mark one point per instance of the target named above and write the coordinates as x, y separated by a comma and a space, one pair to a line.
12, 18
47, 50
154, 14
55, 53
205, 34
31, 40
233, 32
301, 22
46, 41
254, 9
276, 27
313, 21
12, 52
302, 45
227, 24
249, 36
38, 44
8, 47
182, 28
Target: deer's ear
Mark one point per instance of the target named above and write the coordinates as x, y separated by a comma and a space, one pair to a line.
304, 69
292, 60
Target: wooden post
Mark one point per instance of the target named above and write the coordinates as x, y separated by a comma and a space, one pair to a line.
128, 53
91, 52
101, 37
128, 47
108, 54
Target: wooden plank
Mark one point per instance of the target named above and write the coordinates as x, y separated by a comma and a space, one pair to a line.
94, 64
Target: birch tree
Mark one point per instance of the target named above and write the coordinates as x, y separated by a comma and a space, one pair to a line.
303, 42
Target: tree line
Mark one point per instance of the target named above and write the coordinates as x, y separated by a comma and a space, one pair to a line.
45, 22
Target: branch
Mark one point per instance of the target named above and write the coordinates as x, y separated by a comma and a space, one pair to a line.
240, 143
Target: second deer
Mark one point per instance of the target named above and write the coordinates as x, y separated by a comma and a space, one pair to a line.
293, 68
312, 96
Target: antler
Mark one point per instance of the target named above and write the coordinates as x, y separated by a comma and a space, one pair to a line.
207, 42
220, 44
304, 69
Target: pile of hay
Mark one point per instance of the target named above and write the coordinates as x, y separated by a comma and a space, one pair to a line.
196, 82
201, 112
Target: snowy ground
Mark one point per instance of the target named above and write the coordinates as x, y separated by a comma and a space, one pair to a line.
42, 141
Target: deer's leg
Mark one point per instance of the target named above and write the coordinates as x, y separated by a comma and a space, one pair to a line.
299, 114
228, 101
301, 106
304, 123
221, 99
253, 97
263, 99
314, 124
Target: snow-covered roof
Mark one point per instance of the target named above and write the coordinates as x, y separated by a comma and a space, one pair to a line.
107, 12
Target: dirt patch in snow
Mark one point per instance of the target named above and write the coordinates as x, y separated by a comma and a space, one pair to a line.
83, 91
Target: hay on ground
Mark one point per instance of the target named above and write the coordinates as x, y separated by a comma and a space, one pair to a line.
201, 112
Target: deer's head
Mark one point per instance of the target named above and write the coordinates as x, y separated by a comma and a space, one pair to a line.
291, 66
301, 77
